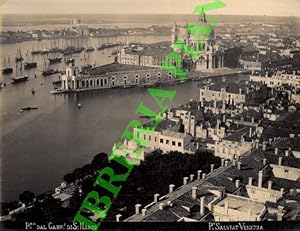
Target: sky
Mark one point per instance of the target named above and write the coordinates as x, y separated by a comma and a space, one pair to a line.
236, 7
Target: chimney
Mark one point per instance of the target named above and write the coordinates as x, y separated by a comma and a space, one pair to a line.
226, 206
286, 152
280, 213
202, 205
203, 176
260, 178
270, 185
234, 162
156, 197
264, 161
281, 191
137, 208
276, 151
240, 91
161, 206
144, 212
194, 193
118, 216
250, 181
264, 148
280, 160
270, 141
224, 117
171, 188
239, 164
226, 163
252, 120
199, 174
250, 132
222, 162
185, 180
237, 183
192, 177
212, 168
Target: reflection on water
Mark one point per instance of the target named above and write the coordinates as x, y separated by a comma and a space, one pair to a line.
40, 146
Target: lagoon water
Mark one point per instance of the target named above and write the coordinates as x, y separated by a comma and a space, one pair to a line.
39, 146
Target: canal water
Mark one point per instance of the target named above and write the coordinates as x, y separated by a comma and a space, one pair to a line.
39, 146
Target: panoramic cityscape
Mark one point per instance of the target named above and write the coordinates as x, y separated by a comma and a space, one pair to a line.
133, 115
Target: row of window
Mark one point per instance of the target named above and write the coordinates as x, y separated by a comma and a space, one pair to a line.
162, 141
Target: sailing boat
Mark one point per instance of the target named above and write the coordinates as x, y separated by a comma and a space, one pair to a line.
19, 78
90, 48
7, 70
19, 57
86, 65
55, 59
49, 71
29, 65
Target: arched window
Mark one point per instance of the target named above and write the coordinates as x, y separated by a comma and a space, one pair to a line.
101, 82
159, 75
105, 82
82, 83
125, 79
91, 83
87, 83
97, 82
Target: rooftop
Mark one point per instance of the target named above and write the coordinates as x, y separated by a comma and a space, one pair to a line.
116, 67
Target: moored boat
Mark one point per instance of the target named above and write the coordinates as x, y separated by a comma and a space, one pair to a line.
49, 71
7, 70
30, 65
55, 60
20, 78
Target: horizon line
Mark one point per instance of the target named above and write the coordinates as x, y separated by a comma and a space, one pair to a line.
40, 14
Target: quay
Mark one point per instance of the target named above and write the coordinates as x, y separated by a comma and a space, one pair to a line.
116, 75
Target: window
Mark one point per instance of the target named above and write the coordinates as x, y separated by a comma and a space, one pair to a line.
179, 144
173, 143
144, 136
155, 139
161, 141
149, 138
167, 141
286, 171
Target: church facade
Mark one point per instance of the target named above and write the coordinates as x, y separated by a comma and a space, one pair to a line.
210, 55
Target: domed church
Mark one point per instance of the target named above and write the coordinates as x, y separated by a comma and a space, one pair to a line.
210, 57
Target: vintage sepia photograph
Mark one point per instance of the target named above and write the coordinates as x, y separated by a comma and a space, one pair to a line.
150, 115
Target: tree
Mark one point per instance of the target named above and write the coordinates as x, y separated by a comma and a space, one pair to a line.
26, 197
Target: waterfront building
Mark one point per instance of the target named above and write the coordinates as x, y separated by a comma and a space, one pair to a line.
150, 55
278, 79
113, 75
233, 93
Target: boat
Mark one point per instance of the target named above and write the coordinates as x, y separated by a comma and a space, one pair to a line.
19, 57
35, 52
7, 70
89, 49
55, 60
79, 105
30, 65
21, 78
49, 71
28, 108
